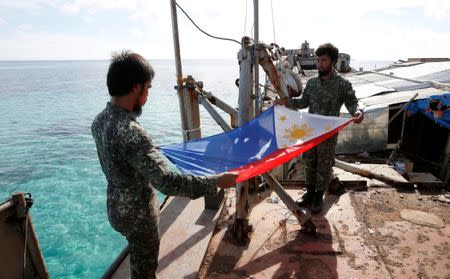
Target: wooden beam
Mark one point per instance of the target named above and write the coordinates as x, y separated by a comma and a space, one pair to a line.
366, 173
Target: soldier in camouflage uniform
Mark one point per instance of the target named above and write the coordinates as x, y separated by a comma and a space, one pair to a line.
324, 95
134, 167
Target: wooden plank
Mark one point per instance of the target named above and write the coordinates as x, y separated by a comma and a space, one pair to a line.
186, 229
424, 179
349, 180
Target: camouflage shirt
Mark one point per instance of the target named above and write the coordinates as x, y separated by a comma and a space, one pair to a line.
134, 168
326, 97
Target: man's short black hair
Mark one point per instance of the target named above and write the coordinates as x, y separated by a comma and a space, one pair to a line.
126, 70
329, 50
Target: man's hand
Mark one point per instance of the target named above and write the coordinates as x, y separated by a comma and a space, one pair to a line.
282, 102
227, 179
359, 117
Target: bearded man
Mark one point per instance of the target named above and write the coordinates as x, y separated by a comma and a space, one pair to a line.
323, 95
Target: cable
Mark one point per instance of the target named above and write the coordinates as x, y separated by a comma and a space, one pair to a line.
215, 37
245, 21
273, 22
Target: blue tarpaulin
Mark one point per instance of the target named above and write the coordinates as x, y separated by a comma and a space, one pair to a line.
436, 108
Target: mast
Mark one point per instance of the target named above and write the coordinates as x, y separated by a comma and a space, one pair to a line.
248, 107
176, 46
256, 57
188, 99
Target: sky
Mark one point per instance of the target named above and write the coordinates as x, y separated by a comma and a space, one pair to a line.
93, 29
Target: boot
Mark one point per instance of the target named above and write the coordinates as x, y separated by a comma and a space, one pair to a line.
317, 203
307, 198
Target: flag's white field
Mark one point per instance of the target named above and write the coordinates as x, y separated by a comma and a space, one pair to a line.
294, 127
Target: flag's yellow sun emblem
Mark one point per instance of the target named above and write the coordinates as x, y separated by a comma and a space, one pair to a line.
296, 133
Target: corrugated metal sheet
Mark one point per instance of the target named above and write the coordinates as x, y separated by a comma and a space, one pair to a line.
370, 135
399, 97
442, 76
420, 70
377, 91
390, 87
404, 85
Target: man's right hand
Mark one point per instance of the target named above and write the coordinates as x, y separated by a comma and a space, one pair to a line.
227, 179
282, 102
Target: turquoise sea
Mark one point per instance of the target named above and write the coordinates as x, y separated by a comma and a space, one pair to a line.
46, 148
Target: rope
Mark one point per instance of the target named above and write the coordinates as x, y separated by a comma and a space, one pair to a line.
185, 132
273, 22
268, 88
204, 32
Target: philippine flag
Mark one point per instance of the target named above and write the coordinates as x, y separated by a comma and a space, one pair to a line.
276, 136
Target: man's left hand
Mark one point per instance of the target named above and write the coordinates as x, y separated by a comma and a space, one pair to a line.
359, 117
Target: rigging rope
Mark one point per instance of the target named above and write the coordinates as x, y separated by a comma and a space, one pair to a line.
273, 22
204, 32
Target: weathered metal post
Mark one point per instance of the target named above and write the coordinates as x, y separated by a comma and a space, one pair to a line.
241, 227
176, 46
192, 109
189, 103
256, 58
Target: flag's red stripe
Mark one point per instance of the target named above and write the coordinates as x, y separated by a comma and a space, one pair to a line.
282, 156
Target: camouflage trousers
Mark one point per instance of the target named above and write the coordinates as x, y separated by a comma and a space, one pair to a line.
319, 163
144, 251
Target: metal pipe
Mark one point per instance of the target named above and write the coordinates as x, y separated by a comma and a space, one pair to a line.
218, 102
302, 214
255, 63
176, 46
245, 86
244, 115
214, 114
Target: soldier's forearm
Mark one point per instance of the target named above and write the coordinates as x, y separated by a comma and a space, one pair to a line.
186, 185
298, 103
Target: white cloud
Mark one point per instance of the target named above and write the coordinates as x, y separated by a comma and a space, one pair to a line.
438, 9
3, 22
345, 23
27, 4
88, 19
75, 6
136, 33
25, 27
